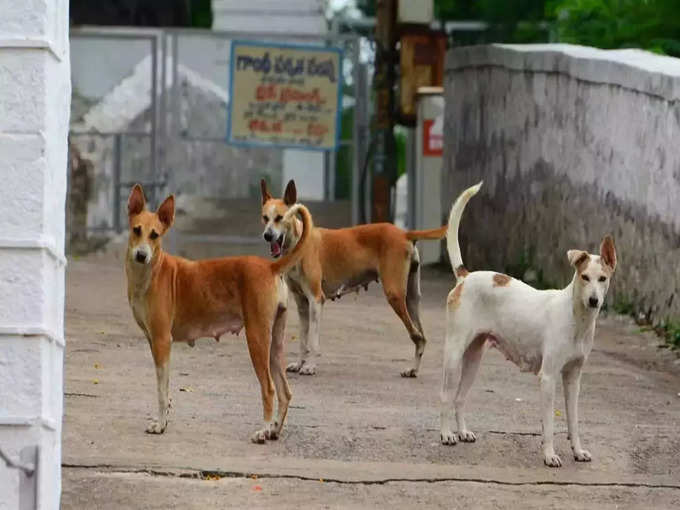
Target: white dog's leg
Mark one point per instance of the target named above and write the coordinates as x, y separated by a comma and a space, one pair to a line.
303, 313
471, 360
548, 408
571, 381
450, 380
309, 365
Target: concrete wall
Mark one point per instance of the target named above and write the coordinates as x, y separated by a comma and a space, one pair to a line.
34, 112
572, 143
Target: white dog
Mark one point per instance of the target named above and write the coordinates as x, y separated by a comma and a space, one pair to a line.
547, 332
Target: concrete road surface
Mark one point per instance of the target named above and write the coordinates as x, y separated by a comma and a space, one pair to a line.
358, 435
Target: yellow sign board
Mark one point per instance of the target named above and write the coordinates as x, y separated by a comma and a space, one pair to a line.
285, 95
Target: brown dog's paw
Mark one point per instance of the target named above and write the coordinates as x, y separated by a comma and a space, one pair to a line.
259, 437
308, 369
294, 367
156, 428
411, 372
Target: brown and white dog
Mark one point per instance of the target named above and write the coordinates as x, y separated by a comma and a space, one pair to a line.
339, 261
547, 332
178, 300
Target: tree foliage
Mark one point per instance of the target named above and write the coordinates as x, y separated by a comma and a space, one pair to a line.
649, 24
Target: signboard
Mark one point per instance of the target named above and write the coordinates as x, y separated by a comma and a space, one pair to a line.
433, 137
284, 95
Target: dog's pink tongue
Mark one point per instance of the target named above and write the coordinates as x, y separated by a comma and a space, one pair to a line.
275, 248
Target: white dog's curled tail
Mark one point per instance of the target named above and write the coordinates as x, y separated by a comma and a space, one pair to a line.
452, 233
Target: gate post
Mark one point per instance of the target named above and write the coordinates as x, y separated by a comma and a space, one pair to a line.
34, 115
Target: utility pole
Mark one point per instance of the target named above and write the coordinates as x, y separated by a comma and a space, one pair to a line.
385, 168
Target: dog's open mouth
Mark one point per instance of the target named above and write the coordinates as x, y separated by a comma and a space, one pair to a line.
276, 246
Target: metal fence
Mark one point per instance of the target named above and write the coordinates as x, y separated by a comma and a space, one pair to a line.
150, 106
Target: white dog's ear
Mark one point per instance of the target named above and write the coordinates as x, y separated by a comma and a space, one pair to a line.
608, 252
577, 257
290, 195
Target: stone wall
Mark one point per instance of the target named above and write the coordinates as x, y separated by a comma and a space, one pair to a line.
572, 143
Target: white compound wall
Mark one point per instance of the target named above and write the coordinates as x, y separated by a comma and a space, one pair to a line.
35, 95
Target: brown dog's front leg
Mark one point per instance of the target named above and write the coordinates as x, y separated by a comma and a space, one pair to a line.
160, 349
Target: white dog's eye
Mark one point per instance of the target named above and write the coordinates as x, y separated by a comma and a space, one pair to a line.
585, 277
603, 278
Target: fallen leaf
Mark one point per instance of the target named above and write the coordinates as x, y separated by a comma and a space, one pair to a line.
187, 389
254, 477
518, 399
257, 488
321, 480
97, 365
558, 412
212, 477
96, 381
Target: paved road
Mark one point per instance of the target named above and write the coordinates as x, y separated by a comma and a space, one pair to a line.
358, 435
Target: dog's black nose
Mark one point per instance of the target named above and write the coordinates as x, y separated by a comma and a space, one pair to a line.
593, 302
140, 257
268, 236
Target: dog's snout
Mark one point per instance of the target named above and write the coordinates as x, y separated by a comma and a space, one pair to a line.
268, 236
593, 302
140, 257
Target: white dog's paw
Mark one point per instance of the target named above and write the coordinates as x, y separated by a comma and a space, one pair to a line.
308, 369
552, 460
294, 367
466, 436
409, 372
448, 438
156, 427
582, 455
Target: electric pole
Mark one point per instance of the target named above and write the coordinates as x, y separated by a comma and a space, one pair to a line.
385, 168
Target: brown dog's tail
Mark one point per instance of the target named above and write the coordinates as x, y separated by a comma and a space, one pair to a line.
290, 259
432, 234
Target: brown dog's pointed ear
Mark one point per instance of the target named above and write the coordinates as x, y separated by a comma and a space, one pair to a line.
290, 195
265, 193
608, 252
166, 211
577, 257
136, 200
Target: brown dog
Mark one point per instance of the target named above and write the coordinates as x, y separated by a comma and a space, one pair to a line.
338, 261
179, 300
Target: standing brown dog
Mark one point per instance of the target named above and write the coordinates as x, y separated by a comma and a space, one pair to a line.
338, 261
178, 300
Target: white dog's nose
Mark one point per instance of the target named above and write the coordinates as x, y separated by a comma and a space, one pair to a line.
593, 302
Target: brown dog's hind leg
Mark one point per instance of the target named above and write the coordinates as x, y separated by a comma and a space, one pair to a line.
258, 336
276, 365
394, 275
413, 306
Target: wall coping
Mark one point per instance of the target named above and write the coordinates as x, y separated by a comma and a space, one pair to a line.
633, 69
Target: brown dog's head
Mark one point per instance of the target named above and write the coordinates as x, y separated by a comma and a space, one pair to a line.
146, 227
593, 273
277, 232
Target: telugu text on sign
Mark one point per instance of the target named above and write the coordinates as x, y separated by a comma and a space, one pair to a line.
285, 95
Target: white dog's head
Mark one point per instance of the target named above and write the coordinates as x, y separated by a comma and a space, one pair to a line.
593, 273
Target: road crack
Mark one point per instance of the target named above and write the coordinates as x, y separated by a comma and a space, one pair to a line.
201, 474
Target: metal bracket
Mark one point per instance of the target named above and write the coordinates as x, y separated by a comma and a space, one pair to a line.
27, 465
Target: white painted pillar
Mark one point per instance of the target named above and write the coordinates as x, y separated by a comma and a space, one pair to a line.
35, 96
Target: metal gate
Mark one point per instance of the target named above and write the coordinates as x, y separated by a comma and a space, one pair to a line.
150, 106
